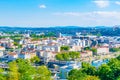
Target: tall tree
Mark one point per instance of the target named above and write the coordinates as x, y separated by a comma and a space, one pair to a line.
76, 75
2, 76
105, 72
25, 69
13, 71
42, 73
88, 69
115, 66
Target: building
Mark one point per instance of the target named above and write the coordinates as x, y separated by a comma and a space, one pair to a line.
12, 56
1, 54
2, 48
102, 50
64, 70
86, 54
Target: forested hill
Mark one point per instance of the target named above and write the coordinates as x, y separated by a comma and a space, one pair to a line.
103, 30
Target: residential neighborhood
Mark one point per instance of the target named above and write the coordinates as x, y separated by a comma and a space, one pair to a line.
91, 49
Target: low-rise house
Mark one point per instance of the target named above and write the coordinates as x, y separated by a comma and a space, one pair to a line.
2, 48
27, 55
47, 55
75, 48
12, 56
102, 50
53, 48
86, 54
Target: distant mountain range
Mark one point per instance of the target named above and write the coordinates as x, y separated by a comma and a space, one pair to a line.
59, 27
103, 30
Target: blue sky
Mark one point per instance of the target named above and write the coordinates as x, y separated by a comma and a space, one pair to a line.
42, 13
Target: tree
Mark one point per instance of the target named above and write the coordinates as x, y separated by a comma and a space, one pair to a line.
98, 34
109, 71
35, 59
25, 69
13, 71
15, 43
50, 34
92, 78
76, 75
118, 78
74, 55
87, 48
114, 49
118, 57
64, 48
115, 66
59, 57
66, 56
88, 69
42, 73
2, 76
94, 50
105, 72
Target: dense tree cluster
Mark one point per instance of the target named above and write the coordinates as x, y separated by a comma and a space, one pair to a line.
64, 48
37, 37
109, 71
65, 56
114, 49
23, 70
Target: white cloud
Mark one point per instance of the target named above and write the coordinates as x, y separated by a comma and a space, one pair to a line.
89, 18
102, 3
42, 6
67, 13
117, 2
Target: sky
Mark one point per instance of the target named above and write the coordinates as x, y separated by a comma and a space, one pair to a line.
42, 13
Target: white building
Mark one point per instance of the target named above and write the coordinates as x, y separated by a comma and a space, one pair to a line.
1, 53
64, 70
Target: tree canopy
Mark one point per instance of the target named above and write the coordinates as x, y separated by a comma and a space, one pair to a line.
64, 48
109, 71
23, 70
65, 56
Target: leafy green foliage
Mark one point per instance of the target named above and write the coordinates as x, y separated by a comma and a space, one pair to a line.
74, 55
104, 72
2, 76
50, 34
13, 73
114, 49
94, 50
118, 57
23, 70
76, 75
59, 57
64, 48
65, 56
92, 78
87, 48
88, 69
35, 59
42, 73
38, 37
109, 71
